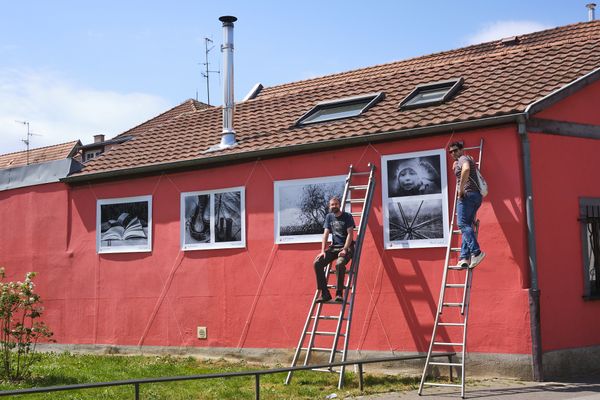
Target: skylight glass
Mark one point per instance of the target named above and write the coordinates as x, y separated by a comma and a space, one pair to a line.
340, 108
431, 93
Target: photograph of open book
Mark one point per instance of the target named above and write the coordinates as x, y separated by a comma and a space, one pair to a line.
123, 228
124, 225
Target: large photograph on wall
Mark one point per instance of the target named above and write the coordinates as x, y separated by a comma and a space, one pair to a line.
124, 225
301, 206
415, 199
213, 219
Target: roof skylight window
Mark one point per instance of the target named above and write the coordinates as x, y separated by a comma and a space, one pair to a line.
340, 108
431, 93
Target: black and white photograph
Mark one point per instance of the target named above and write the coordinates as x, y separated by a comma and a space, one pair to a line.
414, 176
411, 220
301, 206
415, 199
124, 225
213, 219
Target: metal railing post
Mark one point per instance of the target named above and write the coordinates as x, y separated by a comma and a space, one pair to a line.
137, 391
360, 377
257, 387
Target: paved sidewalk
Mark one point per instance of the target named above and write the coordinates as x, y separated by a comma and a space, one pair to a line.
504, 390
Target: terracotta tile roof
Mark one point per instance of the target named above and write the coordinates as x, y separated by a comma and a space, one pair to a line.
189, 105
498, 80
39, 155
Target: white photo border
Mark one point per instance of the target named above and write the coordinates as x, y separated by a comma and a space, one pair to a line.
123, 249
213, 244
443, 196
278, 185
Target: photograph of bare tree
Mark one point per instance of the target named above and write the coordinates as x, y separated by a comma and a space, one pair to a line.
301, 206
213, 219
415, 199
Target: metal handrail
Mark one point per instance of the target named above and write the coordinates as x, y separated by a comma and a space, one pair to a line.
137, 382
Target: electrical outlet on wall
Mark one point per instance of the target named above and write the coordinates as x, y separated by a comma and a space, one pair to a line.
201, 332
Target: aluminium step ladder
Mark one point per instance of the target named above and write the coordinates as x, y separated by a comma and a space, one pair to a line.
330, 322
454, 299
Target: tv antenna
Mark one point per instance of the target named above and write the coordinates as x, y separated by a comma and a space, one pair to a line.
29, 135
207, 71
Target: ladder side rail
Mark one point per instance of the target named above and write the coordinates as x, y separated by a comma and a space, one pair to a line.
464, 345
346, 188
303, 336
355, 266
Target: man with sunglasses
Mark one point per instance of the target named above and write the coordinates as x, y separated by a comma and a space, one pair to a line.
469, 201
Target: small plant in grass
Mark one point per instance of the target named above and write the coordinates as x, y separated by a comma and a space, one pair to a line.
20, 328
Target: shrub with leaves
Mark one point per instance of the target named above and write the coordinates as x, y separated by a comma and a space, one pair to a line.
20, 328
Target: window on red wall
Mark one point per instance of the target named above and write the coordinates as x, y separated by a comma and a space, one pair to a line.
590, 235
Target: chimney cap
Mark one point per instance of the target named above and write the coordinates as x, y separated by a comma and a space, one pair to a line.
227, 19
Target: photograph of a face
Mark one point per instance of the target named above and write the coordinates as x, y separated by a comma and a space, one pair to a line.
213, 219
124, 225
301, 206
414, 176
415, 199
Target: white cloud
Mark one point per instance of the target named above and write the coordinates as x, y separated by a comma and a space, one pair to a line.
501, 29
61, 110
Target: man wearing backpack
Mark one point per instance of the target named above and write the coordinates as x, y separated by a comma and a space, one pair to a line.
469, 201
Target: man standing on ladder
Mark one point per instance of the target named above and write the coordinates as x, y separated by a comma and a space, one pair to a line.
469, 201
341, 225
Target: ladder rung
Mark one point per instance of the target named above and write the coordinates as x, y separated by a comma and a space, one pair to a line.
446, 344
455, 285
456, 268
327, 317
452, 304
356, 229
324, 370
443, 384
359, 187
356, 200
448, 364
456, 231
326, 333
360, 173
454, 248
321, 349
451, 323
356, 214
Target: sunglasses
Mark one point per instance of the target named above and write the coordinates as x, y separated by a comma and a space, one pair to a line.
453, 151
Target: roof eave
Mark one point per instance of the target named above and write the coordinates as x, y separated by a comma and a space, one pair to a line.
323, 145
562, 93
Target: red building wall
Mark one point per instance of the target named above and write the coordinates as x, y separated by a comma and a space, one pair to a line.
258, 297
565, 169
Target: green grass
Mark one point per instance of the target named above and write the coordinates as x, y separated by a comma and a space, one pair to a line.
68, 369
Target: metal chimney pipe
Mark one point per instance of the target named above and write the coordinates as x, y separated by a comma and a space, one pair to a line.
591, 11
228, 138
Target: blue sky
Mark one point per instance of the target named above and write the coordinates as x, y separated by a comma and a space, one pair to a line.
77, 68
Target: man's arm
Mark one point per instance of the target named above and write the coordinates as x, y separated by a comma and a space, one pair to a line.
324, 241
349, 239
465, 171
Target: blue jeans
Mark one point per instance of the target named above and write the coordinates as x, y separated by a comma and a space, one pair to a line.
466, 209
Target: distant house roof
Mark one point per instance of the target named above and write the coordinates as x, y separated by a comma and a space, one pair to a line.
500, 78
39, 155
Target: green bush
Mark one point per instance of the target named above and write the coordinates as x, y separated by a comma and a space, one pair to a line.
20, 329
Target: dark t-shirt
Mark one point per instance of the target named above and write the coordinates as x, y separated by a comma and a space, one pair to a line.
470, 185
338, 226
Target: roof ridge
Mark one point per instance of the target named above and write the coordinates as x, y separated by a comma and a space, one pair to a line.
74, 142
423, 58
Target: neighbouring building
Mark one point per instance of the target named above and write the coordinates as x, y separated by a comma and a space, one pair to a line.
189, 225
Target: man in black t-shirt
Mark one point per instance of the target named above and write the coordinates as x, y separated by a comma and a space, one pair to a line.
340, 224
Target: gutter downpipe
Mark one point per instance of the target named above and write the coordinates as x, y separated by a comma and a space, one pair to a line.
534, 291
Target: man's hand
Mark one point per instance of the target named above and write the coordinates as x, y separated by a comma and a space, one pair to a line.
461, 193
343, 252
321, 254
